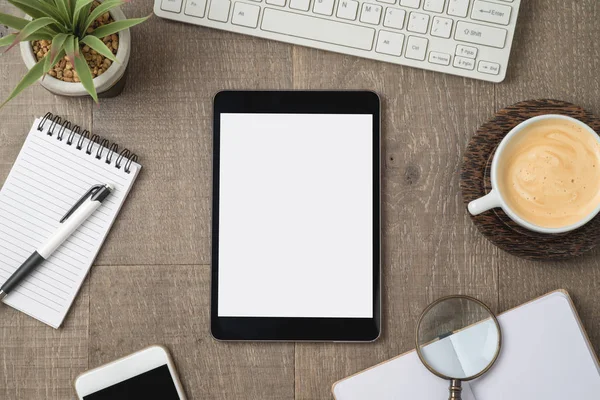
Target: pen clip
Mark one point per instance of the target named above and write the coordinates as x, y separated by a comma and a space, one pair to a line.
83, 198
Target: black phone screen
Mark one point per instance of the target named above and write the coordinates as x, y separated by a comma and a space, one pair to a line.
154, 384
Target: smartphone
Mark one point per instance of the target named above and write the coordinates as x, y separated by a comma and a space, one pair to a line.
147, 374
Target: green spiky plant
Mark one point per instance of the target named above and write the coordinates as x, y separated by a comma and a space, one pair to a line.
66, 23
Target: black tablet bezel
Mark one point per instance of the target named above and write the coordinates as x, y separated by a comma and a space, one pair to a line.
298, 329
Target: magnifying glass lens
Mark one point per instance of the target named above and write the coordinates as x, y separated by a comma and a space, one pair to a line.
458, 338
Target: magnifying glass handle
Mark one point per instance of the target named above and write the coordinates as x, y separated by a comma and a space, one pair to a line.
455, 390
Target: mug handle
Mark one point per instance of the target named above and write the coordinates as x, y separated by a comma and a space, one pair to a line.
485, 203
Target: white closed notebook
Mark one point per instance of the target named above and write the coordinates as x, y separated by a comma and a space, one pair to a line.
55, 167
545, 355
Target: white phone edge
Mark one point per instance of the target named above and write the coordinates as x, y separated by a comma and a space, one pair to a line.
125, 368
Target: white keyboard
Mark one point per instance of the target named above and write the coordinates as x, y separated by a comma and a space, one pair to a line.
470, 38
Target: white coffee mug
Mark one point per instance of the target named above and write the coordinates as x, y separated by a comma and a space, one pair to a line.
495, 198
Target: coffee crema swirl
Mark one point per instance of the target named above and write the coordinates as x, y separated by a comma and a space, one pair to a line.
550, 173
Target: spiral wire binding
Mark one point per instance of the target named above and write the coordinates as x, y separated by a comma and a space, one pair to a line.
112, 150
82, 136
124, 159
75, 131
55, 121
61, 132
104, 144
90, 146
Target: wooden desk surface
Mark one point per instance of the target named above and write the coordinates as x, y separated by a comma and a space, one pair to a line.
150, 283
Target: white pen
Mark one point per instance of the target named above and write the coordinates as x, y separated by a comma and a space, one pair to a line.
72, 220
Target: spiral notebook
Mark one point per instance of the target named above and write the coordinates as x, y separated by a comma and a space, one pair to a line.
545, 354
56, 166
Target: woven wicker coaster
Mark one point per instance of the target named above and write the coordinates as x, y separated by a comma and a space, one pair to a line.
495, 224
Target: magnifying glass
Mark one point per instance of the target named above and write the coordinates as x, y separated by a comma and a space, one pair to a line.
459, 339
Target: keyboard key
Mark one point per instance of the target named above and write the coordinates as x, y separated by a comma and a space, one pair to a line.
439, 58
491, 12
171, 5
488, 67
418, 22
416, 48
245, 15
390, 43
323, 7
195, 8
318, 29
466, 51
464, 63
394, 18
441, 27
458, 8
434, 5
411, 3
480, 34
347, 9
219, 10
280, 3
371, 13
302, 5
387, 1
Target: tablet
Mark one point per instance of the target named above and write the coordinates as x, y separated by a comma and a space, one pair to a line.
296, 216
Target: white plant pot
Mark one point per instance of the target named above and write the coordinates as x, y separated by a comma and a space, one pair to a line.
103, 82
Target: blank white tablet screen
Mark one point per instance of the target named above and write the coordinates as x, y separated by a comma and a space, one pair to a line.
296, 216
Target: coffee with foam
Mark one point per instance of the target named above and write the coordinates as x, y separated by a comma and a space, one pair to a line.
549, 174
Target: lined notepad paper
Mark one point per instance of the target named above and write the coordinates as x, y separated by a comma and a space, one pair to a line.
47, 179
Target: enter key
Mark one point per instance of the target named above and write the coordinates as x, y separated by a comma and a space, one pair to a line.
491, 12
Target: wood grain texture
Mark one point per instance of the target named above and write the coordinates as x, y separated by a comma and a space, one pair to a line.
138, 295
555, 54
138, 306
38, 362
475, 182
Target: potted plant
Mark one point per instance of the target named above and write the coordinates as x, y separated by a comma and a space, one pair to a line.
73, 47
